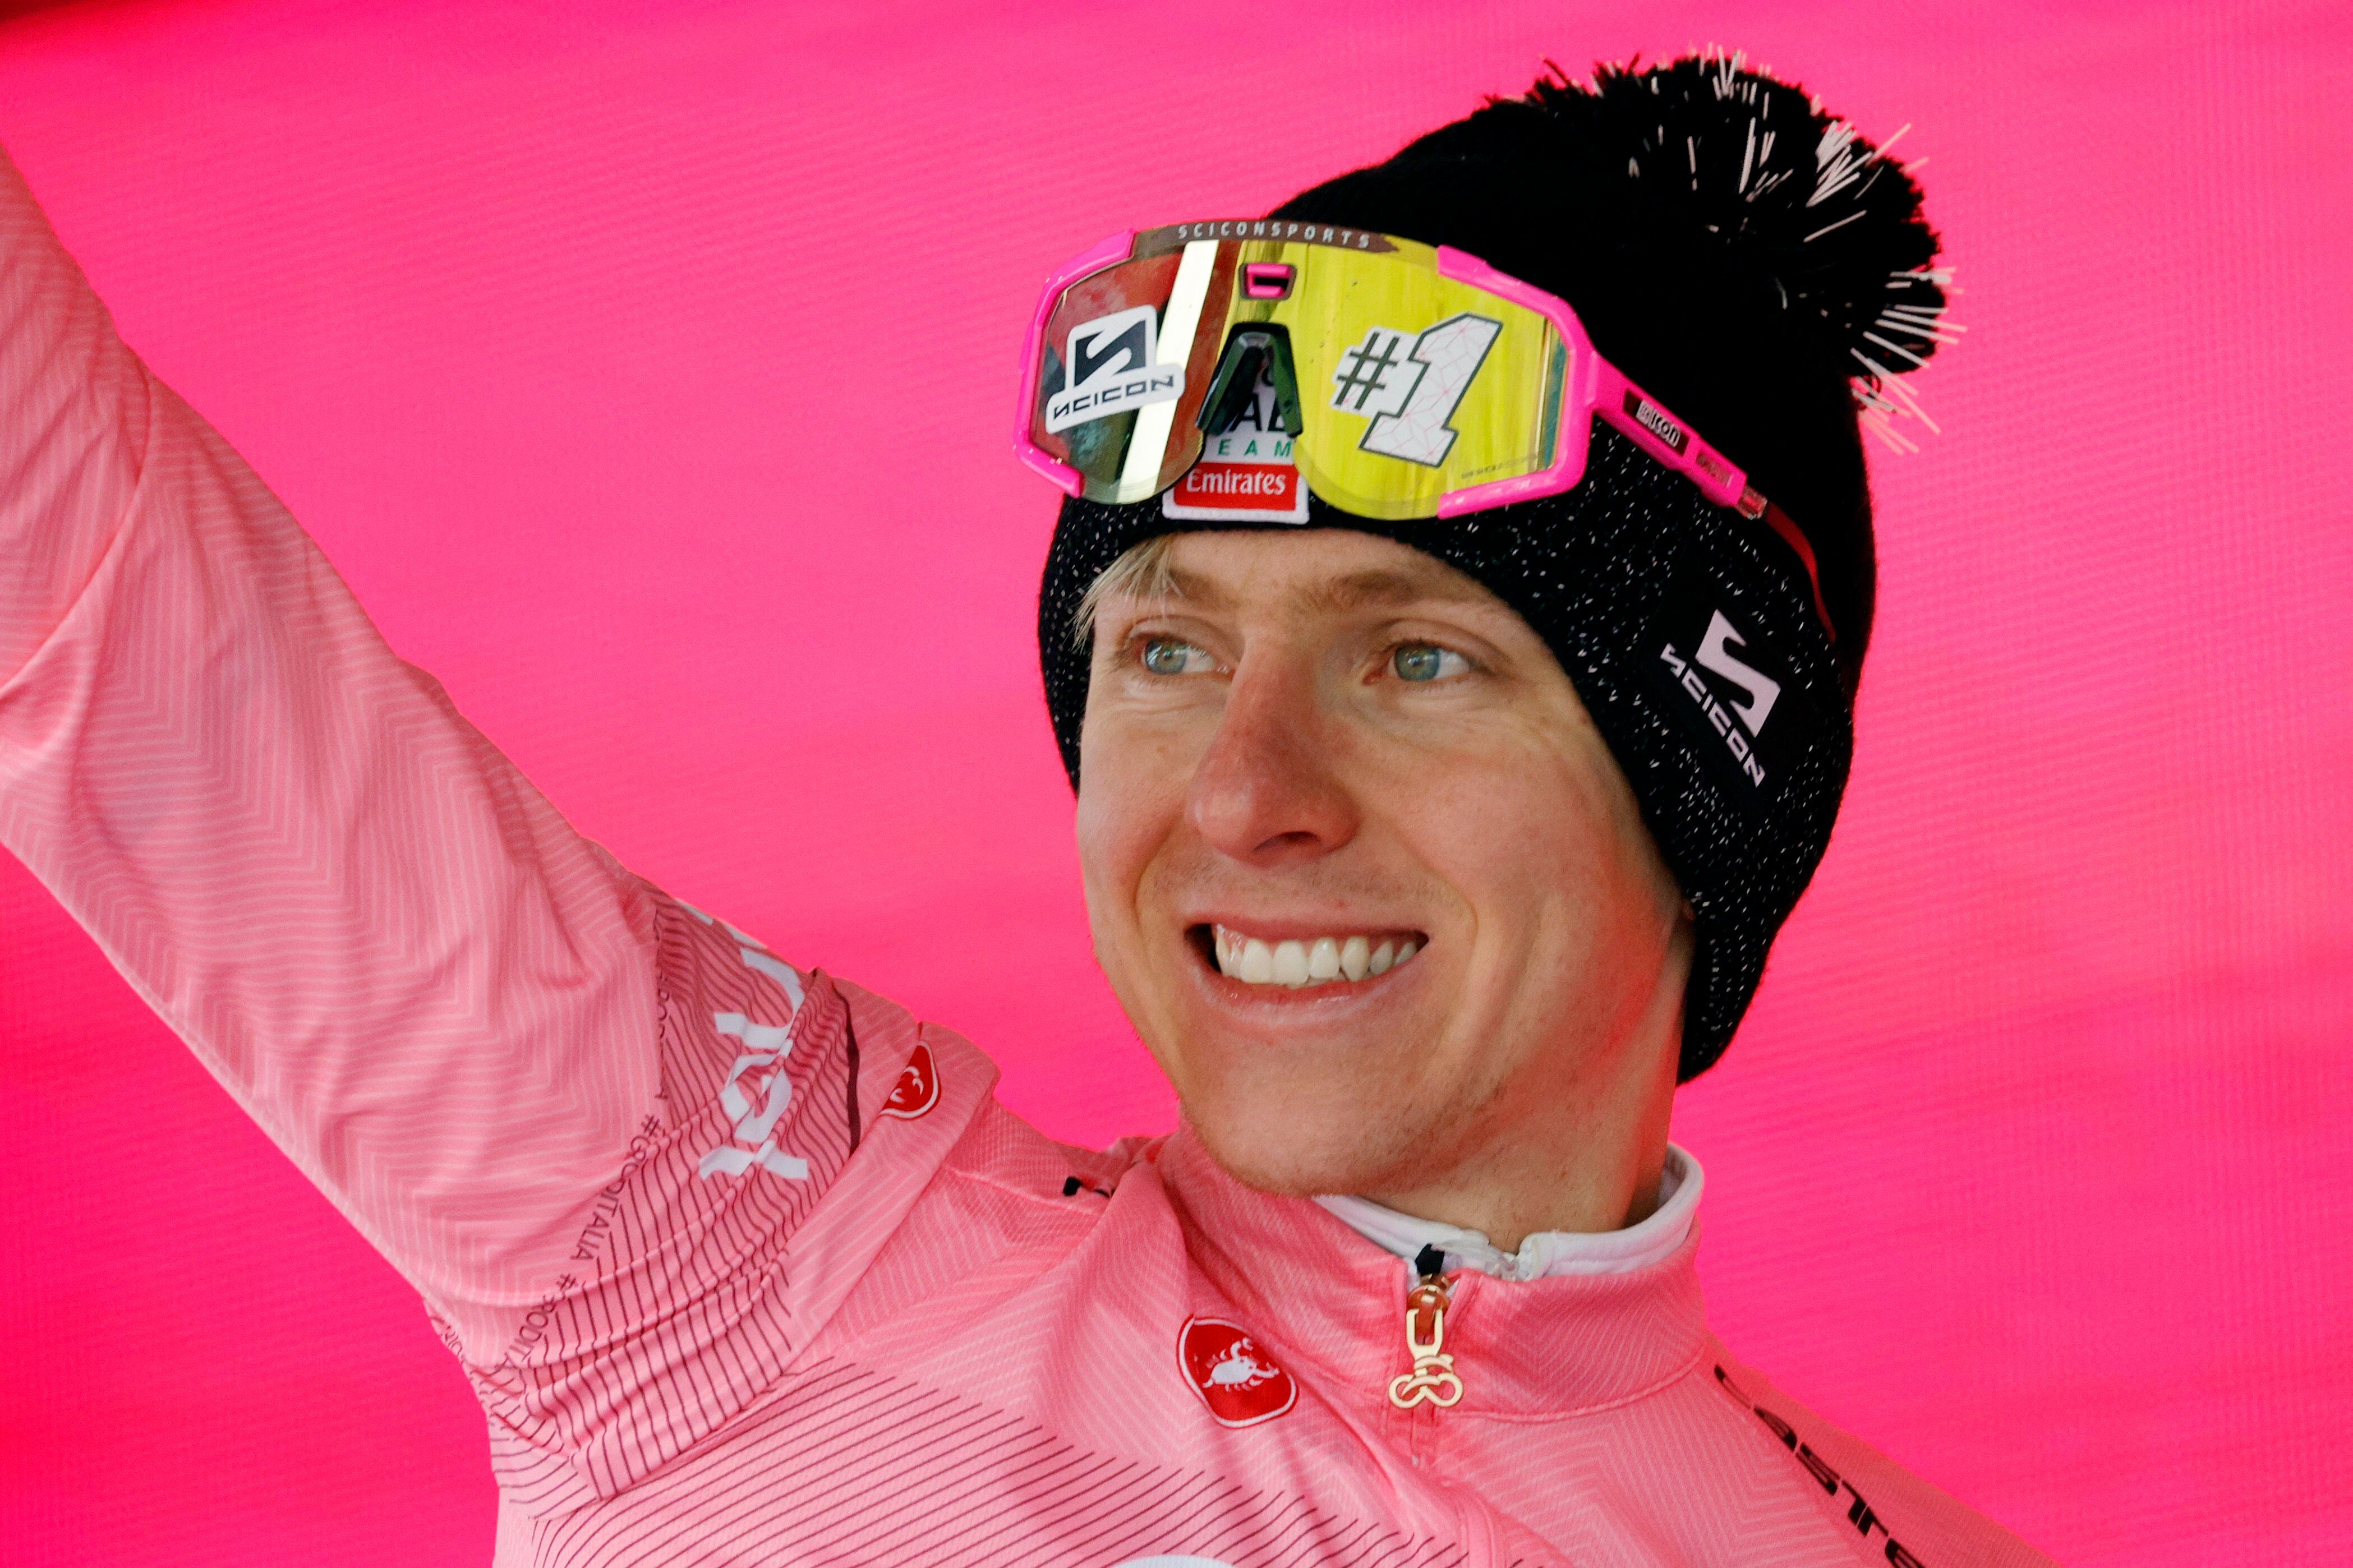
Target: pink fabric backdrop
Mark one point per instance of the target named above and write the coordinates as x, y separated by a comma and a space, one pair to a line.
645, 367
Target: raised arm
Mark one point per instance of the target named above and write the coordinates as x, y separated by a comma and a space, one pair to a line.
431, 991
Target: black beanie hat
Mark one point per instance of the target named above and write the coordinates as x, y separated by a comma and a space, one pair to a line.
1763, 272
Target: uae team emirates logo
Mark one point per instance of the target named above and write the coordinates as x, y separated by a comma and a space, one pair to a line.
918, 1089
1236, 1379
1249, 487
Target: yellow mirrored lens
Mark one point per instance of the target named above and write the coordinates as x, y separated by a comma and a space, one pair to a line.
1411, 384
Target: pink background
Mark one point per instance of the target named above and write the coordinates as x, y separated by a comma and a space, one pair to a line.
646, 369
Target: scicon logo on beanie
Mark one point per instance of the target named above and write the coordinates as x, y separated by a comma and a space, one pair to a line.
1726, 689
1763, 689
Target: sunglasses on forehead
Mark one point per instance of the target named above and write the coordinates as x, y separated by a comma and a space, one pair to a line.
1232, 368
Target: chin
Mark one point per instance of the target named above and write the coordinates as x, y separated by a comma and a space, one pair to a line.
1279, 1145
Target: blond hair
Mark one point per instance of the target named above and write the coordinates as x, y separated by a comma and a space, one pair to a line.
1141, 572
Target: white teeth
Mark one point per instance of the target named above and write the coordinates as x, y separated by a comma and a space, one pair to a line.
1306, 961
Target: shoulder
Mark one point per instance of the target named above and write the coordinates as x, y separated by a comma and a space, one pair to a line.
999, 1150
928, 1097
952, 1203
1895, 1516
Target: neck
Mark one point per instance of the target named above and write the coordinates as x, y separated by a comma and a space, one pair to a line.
1604, 1179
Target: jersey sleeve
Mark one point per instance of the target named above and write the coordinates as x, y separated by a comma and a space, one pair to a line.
605, 1135
430, 991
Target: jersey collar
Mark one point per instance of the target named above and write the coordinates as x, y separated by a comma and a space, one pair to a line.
1291, 1271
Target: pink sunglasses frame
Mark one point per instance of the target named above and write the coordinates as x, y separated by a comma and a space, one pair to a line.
1597, 387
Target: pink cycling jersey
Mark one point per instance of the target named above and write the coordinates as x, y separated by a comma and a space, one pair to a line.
746, 1265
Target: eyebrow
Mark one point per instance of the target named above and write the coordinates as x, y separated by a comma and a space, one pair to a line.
1353, 591
1381, 586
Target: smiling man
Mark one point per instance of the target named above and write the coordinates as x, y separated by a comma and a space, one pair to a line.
1452, 726
1366, 879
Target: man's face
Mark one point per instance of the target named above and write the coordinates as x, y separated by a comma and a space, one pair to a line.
1326, 749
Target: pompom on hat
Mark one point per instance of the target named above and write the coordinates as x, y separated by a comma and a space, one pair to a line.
1766, 273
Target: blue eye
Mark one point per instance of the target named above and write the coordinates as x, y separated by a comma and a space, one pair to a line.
1422, 661
1169, 656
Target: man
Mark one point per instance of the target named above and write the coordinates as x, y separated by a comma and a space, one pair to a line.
1428, 844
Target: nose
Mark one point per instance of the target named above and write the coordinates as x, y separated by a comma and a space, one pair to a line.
1267, 790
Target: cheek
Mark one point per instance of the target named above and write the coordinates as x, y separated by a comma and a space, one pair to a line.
1131, 799
1531, 838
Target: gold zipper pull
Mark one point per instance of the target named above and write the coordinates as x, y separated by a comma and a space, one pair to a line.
1433, 1378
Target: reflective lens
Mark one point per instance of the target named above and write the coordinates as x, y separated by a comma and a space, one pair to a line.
1125, 365
1393, 384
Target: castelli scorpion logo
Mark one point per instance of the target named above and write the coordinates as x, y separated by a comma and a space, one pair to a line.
1239, 1381
918, 1089
1241, 1369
